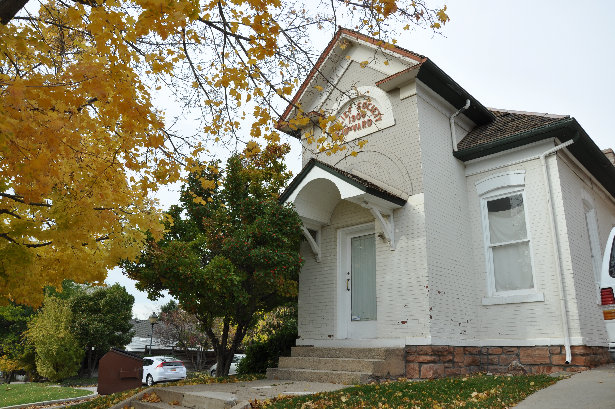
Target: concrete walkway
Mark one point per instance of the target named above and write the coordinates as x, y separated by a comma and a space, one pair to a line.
593, 389
260, 389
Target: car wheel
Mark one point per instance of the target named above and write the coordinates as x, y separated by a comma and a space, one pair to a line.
149, 380
213, 372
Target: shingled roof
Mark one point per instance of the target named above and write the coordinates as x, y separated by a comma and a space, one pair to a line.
512, 129
506, 124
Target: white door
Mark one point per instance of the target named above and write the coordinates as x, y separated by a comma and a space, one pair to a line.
358, 308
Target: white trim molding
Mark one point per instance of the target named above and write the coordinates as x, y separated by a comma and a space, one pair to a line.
313, 242
513, 299
386, 219
507, 179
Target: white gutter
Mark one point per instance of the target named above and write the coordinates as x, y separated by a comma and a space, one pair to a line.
452, 121
555, 237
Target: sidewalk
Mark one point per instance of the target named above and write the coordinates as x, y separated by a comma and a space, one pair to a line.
261, 389
593, 389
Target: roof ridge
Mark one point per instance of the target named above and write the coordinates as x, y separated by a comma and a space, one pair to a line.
543, 114
392, 45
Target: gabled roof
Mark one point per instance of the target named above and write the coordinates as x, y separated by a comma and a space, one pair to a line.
360, 183
423, 69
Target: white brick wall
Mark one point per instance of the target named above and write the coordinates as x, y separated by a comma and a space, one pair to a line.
575, 185
392, 156
452, 287
400, 276
392, 159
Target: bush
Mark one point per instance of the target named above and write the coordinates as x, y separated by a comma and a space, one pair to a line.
277, 339
58, 353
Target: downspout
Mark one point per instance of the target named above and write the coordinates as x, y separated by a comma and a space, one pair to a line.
452, 121
555, 238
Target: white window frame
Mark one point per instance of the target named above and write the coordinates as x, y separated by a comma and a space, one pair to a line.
498, 187
595, 248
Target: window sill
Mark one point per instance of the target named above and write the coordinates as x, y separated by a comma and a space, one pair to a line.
513, 299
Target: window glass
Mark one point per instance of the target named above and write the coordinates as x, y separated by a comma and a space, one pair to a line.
512, 269
506, 219
363, 270
612, 261
509, 244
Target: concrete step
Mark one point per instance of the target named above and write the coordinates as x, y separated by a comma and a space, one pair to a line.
192, 400
355, 353
311, 375
137, 404
330, 364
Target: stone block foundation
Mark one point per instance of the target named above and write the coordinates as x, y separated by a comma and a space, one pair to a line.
435, 361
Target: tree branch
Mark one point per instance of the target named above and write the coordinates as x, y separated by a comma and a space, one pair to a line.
5, 211
20, 199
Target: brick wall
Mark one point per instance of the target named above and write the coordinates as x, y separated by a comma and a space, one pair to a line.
453, 289
576, 190
435, 361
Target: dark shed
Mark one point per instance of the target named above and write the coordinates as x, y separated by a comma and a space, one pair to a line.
118, 371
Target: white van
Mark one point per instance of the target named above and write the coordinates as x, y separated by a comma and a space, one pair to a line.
607, 285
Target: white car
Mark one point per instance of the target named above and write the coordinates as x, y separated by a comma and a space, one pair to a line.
233, 369
162, 368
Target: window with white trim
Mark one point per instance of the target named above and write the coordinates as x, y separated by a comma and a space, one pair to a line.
593, 238
507, 239
507, 243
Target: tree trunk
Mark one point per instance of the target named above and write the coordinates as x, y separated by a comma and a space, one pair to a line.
94, 363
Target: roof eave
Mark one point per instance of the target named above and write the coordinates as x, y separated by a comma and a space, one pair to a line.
583, 149
441, 83
367, 189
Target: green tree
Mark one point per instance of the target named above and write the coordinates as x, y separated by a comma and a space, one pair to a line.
13, 350
169, 307
233, 254
274, 336
58, 353
101, 320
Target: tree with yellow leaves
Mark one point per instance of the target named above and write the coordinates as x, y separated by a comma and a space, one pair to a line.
82, 144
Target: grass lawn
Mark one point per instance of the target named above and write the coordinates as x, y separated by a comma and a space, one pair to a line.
480, 391
16, 394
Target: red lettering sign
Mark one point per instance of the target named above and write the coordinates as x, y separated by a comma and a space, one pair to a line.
360, 114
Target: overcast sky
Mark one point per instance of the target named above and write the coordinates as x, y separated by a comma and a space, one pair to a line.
553, 57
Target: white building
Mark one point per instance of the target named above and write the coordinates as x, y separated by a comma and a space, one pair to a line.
465, 237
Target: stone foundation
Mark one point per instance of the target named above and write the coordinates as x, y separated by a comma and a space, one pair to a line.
435, 361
